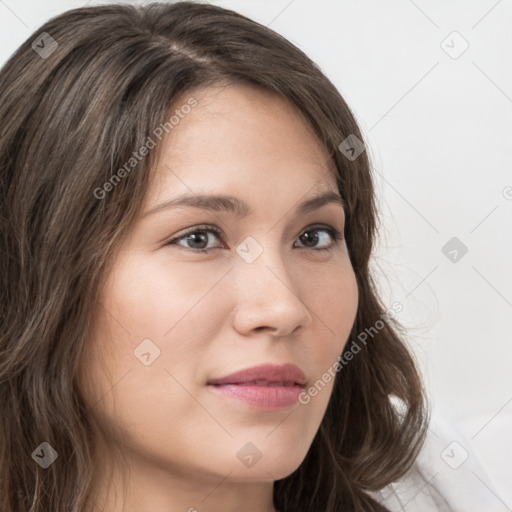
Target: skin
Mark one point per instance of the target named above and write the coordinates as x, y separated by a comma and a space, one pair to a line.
212, 314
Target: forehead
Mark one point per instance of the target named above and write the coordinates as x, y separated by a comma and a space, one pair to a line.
245, 134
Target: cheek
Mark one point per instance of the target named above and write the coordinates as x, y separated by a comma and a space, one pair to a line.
172, 317
153, 324
333, 305
170, 303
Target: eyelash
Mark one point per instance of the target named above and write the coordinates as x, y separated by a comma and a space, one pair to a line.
334, 233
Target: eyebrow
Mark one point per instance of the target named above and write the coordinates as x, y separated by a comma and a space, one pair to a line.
234, 205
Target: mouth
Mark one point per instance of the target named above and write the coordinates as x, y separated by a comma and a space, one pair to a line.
265, 387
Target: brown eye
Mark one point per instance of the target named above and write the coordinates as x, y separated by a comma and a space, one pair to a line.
310, 238
195, 236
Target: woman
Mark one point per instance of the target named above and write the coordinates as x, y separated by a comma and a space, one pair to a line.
256, 371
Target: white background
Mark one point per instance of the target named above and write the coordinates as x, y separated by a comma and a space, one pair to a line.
439, 131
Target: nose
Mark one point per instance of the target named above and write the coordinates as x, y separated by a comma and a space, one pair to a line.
268, 298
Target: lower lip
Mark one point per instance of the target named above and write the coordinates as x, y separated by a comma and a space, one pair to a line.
268, 398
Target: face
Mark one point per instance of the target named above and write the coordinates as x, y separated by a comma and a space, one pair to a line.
199, 294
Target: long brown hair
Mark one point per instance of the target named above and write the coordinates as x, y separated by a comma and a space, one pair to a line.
78, 97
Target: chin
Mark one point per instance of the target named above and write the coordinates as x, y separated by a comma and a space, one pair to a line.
274, 465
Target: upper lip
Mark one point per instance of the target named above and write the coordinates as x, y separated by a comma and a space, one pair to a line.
288, 374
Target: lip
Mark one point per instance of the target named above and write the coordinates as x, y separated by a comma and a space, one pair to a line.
264, 373
265, 387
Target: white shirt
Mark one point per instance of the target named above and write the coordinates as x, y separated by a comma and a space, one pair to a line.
446, 477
